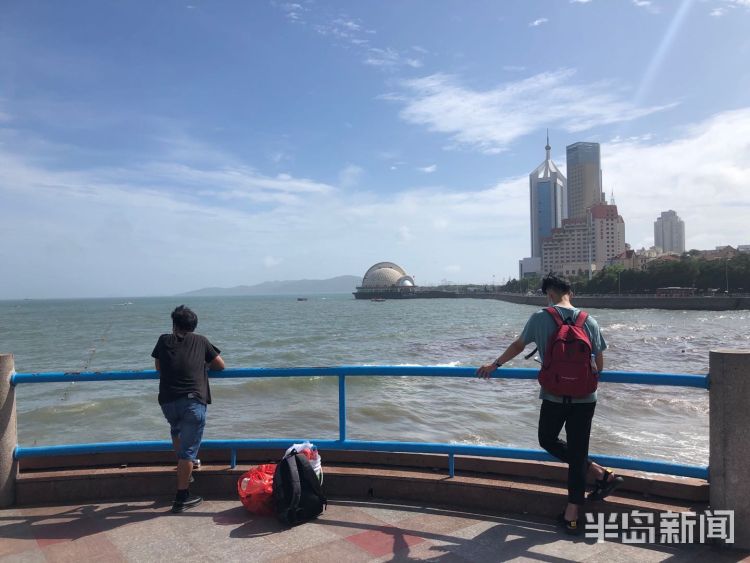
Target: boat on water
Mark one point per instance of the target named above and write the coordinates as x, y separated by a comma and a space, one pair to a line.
378, 299
301, 298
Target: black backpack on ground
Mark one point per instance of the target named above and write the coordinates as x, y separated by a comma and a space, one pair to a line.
297, 493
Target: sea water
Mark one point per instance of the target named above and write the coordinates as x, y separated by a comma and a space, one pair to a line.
662, 423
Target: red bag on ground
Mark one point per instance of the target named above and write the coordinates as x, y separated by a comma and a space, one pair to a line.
255, 488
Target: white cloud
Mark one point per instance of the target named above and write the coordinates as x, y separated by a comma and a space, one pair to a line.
277, 157
647, 5
294, 12
537, 23
350, 176
428, 169
106, 231
271, 261
225, 183
389, 58
697, 175
405, 233
727, 5
440, 224
343, 28
353, 34
347, 23
580, 1
490, 120
632, 138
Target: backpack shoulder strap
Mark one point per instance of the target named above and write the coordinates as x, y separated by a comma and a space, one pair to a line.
555, 315
291, 461
581, 318
308, 474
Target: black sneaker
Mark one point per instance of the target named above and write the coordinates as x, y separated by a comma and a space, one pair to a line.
189, 502
605, 486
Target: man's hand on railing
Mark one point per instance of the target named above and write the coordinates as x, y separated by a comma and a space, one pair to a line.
485, 372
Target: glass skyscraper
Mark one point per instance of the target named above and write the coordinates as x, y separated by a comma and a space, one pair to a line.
669, 232
584, 178
548, 201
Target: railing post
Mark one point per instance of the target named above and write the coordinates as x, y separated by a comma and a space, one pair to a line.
729, 420
8, 435
342, 408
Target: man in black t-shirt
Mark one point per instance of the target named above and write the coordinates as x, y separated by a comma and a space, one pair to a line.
183, 359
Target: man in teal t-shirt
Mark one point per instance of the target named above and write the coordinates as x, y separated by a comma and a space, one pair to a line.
575, 414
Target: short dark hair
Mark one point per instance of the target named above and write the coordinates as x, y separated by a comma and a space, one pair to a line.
558, 283
184, 319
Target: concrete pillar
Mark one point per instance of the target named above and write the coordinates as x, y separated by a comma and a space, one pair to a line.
729, 418
8, 436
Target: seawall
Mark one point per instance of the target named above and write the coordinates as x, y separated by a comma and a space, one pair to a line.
699, 303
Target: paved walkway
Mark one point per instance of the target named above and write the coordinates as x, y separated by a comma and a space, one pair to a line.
347, 531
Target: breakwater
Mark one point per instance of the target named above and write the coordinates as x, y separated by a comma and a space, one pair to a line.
694, 303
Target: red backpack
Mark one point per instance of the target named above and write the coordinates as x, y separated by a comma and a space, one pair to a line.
566, 371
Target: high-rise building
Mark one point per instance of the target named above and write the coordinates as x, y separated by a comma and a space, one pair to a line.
569, 250
548, 201
608, 230
585, 244
669, 232
584, 178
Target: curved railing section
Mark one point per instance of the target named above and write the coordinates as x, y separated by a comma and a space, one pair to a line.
342, 372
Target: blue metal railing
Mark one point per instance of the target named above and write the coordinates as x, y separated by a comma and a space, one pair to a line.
342, 372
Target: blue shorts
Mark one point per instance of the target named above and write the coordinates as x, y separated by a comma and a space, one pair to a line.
187, 419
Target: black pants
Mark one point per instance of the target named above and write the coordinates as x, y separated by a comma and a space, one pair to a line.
577, 420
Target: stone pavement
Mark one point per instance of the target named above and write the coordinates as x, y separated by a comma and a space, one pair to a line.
347, 531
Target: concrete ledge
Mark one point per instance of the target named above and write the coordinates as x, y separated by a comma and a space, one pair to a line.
678, 488
476, 491
488, 493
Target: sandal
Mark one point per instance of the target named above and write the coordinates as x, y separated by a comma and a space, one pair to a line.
604, 487
572, 527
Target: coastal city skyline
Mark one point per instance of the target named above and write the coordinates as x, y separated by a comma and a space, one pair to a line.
153, 150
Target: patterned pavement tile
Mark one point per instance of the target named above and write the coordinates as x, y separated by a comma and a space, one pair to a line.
436, 523
347, 521
386, 540
355, 531
28, 556
94, 548
331, 552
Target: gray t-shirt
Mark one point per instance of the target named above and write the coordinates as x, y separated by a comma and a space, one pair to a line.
541, 326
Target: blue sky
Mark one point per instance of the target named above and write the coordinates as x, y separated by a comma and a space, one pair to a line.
148, 148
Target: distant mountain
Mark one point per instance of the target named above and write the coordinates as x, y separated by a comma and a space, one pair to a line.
339, 284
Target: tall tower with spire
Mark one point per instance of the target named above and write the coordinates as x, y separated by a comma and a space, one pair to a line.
548, 199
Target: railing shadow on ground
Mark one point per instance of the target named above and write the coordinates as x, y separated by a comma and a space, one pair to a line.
506, 537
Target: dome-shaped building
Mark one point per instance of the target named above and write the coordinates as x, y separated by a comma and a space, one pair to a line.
385, 280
